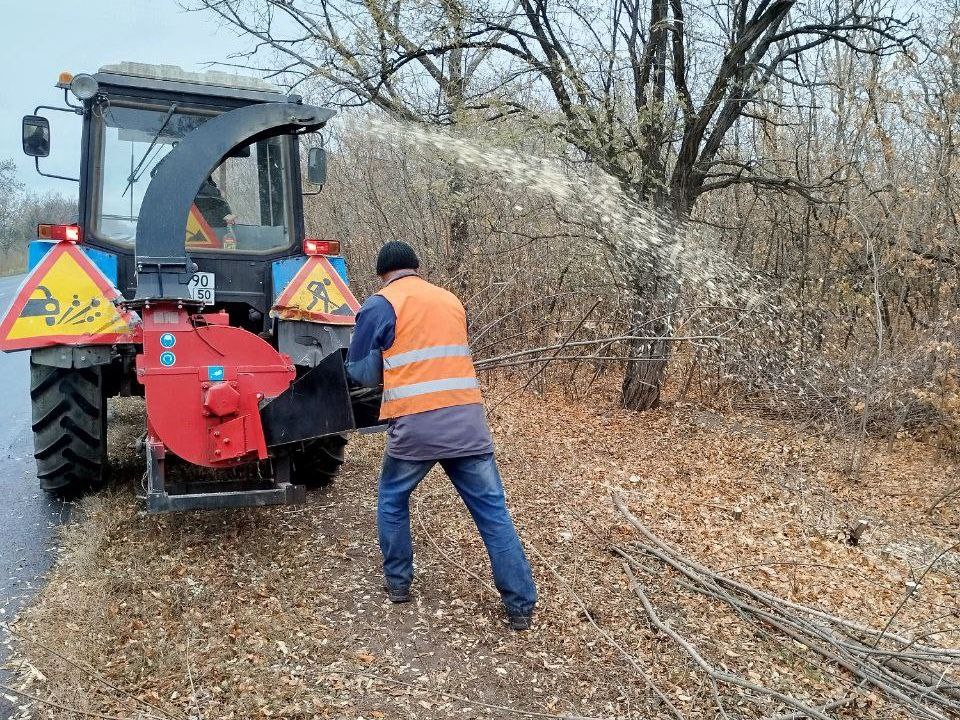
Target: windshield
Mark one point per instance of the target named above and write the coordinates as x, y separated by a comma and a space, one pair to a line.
241, 207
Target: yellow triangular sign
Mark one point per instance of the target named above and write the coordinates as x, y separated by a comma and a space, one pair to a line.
317, 293
66, 300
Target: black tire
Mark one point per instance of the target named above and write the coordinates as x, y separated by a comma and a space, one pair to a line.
317, 462
69, 427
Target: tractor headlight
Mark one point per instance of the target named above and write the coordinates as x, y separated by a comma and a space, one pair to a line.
84, 87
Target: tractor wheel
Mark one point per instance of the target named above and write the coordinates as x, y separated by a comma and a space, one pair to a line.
317, 463
69, 427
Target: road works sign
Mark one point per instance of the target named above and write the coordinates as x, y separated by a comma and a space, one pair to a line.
317, 293
65, 300
199, 232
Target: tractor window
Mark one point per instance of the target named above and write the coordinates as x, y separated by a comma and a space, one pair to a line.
241, 207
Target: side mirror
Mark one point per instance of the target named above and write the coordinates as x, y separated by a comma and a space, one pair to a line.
317, 166
36, 136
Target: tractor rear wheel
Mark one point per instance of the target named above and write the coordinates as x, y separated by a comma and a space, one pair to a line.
69, 427
318, 461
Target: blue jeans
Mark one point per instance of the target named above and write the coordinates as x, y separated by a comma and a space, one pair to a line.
477, 480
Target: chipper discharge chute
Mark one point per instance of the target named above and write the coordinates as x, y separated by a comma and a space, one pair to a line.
187, 279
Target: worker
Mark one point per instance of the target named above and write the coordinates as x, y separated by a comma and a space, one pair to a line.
213, 205
411, 337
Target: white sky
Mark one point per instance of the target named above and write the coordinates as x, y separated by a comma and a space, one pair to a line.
40, 38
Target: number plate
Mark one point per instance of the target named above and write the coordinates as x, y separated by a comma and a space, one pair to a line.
203, 286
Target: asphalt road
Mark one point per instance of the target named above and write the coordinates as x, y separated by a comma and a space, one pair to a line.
28, 518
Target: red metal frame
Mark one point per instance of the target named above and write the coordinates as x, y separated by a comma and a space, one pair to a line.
203, 399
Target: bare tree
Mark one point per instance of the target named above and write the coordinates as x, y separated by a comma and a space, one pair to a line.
419, 62
10, 189
650, 93
20, 213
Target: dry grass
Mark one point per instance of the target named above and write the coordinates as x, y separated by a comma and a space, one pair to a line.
278, 612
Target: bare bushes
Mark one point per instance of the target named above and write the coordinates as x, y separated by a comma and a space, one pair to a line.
828, 323
861, 324
20, 212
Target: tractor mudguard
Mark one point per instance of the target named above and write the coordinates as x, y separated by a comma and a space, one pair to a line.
308, 343
64, 356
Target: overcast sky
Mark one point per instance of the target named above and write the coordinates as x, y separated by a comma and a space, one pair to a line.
40, 38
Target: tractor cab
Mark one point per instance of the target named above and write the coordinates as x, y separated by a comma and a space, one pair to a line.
187, 279
248, 212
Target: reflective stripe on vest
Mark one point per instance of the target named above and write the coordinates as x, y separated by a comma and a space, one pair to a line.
428, 366
412, 356
430, 386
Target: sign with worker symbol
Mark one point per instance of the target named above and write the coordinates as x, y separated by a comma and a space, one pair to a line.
65, 300
317, 293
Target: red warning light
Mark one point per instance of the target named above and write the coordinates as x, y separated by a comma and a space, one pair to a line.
70, 233
312, 246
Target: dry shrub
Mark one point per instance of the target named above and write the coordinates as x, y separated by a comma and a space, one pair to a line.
531, 270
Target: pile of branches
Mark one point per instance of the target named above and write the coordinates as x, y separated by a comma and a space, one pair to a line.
920, 678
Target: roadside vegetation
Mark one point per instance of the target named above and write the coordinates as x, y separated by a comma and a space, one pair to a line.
20, 213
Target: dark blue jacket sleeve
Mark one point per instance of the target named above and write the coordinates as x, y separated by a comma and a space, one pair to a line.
373, 333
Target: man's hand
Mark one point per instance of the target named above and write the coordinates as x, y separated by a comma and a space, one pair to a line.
368, 371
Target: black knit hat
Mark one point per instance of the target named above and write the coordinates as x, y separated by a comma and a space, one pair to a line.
396, 255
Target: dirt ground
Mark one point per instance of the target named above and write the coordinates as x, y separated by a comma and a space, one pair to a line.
278, 612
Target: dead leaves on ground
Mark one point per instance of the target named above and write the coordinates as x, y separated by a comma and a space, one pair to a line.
279, 613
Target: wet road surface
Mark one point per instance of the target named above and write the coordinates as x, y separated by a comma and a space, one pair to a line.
28, 517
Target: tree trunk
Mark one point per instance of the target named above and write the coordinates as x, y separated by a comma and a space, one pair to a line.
454, 88
643, 381
643, 377
458, 228
655, 295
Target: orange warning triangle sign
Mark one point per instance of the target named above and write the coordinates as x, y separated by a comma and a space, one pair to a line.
317, 293
65, 300
199, 232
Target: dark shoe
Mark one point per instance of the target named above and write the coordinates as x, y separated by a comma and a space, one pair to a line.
397, 595
519, 621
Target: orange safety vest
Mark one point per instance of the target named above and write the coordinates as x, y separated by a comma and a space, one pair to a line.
429, 364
